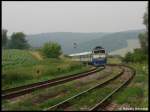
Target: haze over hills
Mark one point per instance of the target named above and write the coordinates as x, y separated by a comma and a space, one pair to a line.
113, 41
66, 39
85, 41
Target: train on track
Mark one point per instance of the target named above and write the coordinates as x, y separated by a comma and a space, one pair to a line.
96, 57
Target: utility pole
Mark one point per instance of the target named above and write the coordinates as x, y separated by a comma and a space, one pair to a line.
75, 46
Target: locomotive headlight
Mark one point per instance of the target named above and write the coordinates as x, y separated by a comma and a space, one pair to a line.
102, 56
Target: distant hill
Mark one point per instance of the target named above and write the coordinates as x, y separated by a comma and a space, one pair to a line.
85, 41
132, 44
66, 39
113, 41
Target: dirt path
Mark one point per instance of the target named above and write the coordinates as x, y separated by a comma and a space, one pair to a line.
36, 55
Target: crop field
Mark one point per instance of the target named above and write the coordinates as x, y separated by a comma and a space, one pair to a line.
20, 67
16, 58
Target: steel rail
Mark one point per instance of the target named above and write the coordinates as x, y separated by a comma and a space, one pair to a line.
42, 82
98, 105
32, 87
82, 93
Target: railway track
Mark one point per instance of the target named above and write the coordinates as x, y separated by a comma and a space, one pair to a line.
22, 90
102, 105
121, 79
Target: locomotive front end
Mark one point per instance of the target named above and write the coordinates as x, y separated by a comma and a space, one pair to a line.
99, 56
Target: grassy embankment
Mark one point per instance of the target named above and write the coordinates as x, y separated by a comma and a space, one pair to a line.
21, 67
39, 100
136, 93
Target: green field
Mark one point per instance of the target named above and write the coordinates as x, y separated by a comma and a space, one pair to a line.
20, 67
16, 58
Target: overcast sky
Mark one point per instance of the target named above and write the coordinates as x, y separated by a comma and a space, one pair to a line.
41, 17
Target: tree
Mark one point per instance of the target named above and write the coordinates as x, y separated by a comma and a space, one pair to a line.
51, 50
137, 56
4, 37
143, 37
127, 57
18, 41
145, 19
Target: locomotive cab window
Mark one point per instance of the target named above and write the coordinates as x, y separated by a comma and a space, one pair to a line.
99, 51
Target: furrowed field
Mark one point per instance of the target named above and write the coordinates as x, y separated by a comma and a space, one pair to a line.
21, 67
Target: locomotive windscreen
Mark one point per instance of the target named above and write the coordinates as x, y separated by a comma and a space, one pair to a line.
99, 51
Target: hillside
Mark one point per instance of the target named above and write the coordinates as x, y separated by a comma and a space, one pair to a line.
85, 41
112, 42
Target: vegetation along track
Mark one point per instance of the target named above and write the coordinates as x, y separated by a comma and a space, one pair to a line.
18, 91
112, 86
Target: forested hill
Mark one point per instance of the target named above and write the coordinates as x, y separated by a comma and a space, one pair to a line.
85, 41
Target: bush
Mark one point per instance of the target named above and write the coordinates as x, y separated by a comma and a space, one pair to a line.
51, 50
137, 56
